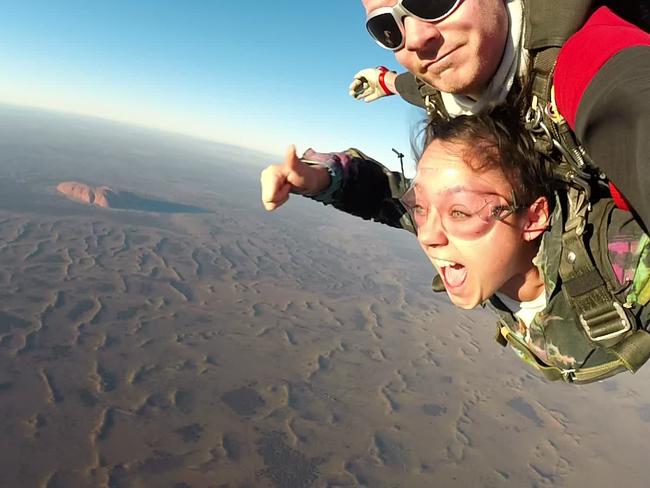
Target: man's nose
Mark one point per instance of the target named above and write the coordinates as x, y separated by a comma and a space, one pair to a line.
420, 35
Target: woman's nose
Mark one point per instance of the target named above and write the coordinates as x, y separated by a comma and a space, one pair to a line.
431, 233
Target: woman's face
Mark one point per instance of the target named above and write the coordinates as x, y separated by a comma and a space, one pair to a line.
466, 225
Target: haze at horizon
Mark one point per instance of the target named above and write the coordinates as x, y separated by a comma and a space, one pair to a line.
261, 76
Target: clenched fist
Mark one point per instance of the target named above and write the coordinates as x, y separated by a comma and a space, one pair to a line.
371, 84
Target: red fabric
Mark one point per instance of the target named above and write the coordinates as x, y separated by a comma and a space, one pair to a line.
618, 198
603, 35
382, 83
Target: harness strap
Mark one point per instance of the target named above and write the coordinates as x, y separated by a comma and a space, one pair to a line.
552, 22
634, 351
604, 320
551, 373
631, 361
543, 65
551, 133
432, 100
599, 312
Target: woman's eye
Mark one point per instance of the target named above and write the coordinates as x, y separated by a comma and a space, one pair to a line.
497, 211
418, 209
459, 214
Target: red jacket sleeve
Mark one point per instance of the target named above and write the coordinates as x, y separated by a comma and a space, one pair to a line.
584, 54
602, 88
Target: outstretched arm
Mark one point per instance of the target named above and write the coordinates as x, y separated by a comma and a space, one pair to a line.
354, 183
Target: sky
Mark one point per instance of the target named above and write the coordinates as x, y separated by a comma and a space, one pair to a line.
260, 74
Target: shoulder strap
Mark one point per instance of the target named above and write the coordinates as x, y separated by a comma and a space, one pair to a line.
606, 321
549, 23
432, 100
599, 312
421, 94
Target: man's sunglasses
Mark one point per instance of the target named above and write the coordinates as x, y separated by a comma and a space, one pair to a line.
386, 24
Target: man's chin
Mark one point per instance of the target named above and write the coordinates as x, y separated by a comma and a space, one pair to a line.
448, 82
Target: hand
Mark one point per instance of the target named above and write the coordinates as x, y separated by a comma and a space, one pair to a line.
371, 84
294, 176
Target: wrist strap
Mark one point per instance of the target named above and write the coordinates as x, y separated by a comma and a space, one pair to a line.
382, 83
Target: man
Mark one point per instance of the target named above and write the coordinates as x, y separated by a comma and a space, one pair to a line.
460, 52
473, 52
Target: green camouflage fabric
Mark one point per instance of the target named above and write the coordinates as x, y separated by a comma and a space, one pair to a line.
556, 337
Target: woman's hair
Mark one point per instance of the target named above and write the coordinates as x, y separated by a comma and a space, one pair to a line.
497, 139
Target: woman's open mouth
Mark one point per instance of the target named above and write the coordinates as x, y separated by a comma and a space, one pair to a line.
453, 274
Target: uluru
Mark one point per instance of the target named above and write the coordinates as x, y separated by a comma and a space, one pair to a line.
107, 197
101, 196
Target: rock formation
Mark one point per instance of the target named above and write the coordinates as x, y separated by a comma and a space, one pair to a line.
101, 196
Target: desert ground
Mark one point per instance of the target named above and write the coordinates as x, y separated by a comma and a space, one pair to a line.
228, 347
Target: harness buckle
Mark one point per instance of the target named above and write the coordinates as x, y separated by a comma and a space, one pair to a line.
569, 375
432, 108
605, 323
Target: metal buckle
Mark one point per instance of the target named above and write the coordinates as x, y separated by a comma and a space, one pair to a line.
569, 375
432, 107
625, 323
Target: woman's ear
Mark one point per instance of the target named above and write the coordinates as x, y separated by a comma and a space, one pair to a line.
537, 219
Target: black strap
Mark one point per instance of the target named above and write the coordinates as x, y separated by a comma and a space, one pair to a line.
552, 22
605, 321
543, 66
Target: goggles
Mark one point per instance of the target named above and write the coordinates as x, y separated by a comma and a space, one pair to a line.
386, 24
463, 213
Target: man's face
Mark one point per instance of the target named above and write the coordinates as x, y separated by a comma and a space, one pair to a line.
458, 54
474, 262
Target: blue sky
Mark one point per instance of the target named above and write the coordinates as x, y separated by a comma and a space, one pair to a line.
257, 74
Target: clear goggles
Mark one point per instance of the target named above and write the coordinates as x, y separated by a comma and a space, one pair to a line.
386, 24
460, 212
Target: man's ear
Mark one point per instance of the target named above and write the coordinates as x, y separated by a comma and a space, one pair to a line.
537, 219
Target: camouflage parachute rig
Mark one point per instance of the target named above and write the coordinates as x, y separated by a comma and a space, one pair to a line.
612, 335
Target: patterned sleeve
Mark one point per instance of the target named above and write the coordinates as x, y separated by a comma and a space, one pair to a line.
362, 186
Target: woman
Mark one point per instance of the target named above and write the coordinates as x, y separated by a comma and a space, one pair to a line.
568, 277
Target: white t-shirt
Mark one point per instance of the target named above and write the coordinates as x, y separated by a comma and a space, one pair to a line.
525, 311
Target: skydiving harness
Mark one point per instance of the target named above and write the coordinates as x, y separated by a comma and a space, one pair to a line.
607, 321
